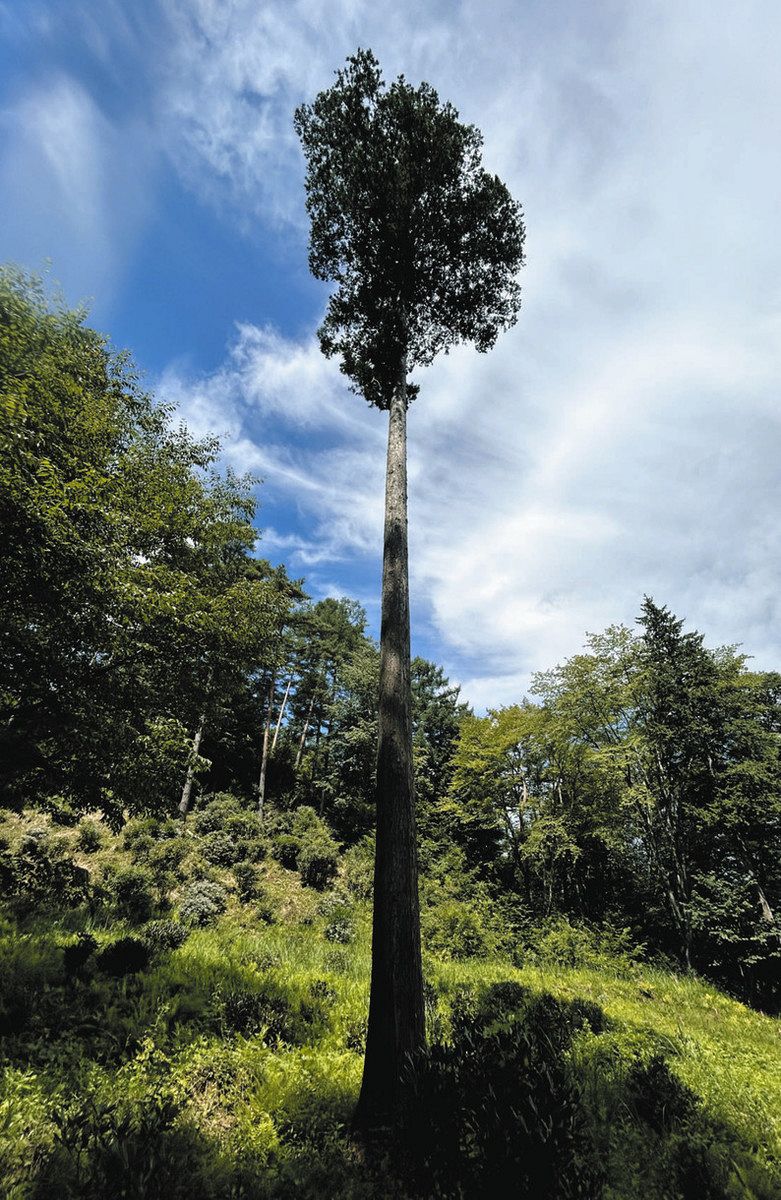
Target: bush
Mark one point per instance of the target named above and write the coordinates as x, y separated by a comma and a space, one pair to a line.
140, 829
124, 956
214, 811
131, 894
43, 874
246, 876
285, 848
577, 945
455, 929
167, 855
318, 862
243, 824
340, 926
220, 849
88, 837
164, 935
78, 953
203, 902
253, 849
292, 831
359, 869
340, 930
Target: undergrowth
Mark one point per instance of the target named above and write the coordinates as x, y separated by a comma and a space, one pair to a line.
148, 1054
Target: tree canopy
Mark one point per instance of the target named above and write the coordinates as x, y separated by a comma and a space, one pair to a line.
423, 243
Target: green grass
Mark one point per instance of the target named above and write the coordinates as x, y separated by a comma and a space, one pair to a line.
240, 1053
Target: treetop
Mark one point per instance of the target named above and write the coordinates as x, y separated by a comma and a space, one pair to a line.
423, 243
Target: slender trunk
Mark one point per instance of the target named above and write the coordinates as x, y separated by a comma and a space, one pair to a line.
187, 790
302, 742
264, 754
281, 714
396, 1030
326, 760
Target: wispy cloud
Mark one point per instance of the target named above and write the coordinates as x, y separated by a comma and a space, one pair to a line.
73, 182
623, 438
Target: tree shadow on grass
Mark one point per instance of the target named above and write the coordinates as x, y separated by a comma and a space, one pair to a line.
526, 1097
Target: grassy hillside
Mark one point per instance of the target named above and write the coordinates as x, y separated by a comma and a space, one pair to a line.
153, 1047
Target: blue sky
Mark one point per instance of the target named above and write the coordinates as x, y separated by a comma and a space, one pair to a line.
624, 438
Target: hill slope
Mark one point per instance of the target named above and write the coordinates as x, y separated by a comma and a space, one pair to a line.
151, 1049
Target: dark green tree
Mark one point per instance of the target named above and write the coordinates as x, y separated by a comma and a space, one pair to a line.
424, 247
127, 600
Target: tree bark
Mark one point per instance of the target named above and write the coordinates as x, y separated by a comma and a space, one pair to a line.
281, 714
302, 742
187, 790
264, 754
396, 1030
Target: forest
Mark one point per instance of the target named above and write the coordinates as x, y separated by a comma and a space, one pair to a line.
188, 746
280, 914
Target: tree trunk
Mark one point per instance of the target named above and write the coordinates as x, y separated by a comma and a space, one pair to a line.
187, 790
302, 743
281, 714
264, 754
396, 1030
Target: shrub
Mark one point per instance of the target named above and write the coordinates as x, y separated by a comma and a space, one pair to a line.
131, 894
164, 935
88, 837
8, 879
43, 874
291, 831
456, 929
203, 902
359, 869
78, 953
340, 930
245, 1011
340, 927
577, 945
318, 862
243, 824
253, 849
214, 811
167, 855
124, 956
144, 829
171, 827
220, 849
246, 876
285, 848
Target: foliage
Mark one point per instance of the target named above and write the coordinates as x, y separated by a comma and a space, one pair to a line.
127, 593
423, 244
164, 935
41, 873
202, 902
641, 793
131, 894
124, 956
318, 861
89, 838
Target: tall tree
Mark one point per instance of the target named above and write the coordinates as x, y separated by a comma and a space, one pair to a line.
424, 247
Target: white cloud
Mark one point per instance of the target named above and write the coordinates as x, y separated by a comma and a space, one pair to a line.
72, 181
625, 437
